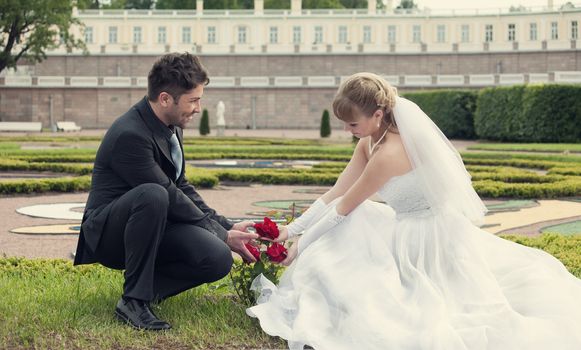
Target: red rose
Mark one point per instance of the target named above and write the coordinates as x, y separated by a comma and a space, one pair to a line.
267, 229
253, 250
276, 252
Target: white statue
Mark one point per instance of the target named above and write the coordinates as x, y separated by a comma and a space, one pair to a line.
220, 121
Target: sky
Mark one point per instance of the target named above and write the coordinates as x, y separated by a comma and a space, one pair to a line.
481, 4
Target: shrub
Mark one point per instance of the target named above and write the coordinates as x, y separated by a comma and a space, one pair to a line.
452, 110
205, 123
529, 113
325, 124
564, 248
498, 113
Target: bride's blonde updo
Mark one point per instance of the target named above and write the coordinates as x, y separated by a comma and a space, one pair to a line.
365, 93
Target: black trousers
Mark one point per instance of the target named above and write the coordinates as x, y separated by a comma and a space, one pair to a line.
161, 258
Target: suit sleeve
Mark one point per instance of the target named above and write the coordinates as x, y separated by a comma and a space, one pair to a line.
132, 159
189, 190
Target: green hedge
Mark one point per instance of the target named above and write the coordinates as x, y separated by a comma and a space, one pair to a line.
564, 248
21, 165
452, 110
529, 113
64, 184
567, 187
564, 148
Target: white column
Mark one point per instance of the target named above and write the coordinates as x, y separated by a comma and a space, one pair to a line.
296, 7
258, 7
371, 6
199, 7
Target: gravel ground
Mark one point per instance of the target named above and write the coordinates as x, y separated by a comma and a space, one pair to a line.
231, 201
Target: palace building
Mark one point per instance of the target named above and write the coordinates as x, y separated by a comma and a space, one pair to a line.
281, 68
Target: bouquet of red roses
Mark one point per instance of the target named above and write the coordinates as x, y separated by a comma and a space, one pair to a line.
267, 229
268, 255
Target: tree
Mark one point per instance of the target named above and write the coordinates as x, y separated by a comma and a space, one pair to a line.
325, 124
30, 27
205, 123
119, 4
175, 4
407, 4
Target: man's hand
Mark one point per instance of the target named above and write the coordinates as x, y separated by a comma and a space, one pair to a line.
236, 240
242, 226
291, 254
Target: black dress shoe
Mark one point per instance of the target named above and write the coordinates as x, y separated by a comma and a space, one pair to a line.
137, 313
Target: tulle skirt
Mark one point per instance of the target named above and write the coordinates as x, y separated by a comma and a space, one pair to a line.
428, 281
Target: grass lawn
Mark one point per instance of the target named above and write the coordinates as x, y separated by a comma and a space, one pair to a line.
49, 304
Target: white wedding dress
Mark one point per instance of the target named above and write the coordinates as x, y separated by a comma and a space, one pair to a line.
406, 276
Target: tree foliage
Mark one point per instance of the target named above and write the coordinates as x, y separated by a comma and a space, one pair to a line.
325, 124
176, 4
204, 123
31, 27
407, 4
118, 4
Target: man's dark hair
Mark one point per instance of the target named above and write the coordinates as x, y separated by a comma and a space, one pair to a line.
175, 73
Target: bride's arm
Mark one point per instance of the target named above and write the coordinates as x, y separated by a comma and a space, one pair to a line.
350, 174
379, 169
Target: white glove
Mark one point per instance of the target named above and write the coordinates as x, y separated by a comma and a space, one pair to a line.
326, 223
306, 219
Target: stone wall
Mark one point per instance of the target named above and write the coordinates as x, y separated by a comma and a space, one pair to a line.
274, 106
308, 65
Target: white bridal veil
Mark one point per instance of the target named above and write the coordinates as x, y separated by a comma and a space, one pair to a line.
439, 167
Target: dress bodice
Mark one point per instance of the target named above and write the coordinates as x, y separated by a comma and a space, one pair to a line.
403, 193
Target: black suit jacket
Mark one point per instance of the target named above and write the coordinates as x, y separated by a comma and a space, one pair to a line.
136, 150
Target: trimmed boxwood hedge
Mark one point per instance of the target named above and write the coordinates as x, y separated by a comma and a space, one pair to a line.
529, 113
452, 110
564, 248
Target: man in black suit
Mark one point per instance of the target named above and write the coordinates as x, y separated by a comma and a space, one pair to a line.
142, 215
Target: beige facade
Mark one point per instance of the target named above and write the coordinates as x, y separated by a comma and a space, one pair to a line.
281, 68
329, 31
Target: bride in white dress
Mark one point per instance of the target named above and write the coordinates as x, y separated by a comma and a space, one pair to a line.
416, 273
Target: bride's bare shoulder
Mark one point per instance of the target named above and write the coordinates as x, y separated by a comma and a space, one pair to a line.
394, 151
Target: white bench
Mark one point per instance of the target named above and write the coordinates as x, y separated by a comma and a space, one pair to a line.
67, 126
20, 126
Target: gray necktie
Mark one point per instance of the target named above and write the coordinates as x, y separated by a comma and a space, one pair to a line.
176, 154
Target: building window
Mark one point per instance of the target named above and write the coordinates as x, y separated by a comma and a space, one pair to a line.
391, 34
554, 31
112, 35
574, 30
342, 34
441, 33
511, 32
533, 32
88, 35
241, 35
296, 35
137, 35
366, 34
186, 35
488, 33
273, 35
211, 35
416, 33
318, 35
465, 33
161, 35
